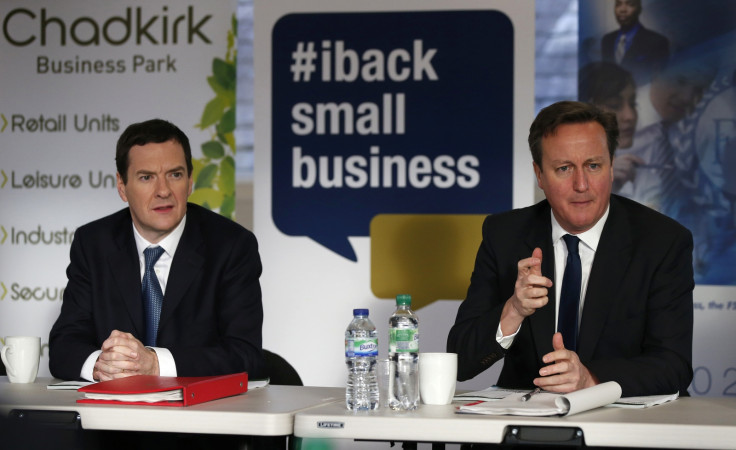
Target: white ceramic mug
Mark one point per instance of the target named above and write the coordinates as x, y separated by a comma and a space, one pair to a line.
437, 377
21, 355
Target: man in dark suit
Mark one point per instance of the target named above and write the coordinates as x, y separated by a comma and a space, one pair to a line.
633, 310
210, 317
637, 49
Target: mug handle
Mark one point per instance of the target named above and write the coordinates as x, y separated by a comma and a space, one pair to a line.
8, 367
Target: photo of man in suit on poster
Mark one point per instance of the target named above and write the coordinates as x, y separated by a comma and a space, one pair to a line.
680, 156
637, 49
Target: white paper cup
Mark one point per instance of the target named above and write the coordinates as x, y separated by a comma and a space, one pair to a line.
437, 377
21, 355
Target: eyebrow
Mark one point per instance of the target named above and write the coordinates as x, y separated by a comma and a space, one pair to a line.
567, 161
150, 172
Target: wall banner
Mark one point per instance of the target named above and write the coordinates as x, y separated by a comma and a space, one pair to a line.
675, 100
384, 134
74, 74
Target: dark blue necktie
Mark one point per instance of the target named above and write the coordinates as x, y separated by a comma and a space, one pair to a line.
567, 321
152, 295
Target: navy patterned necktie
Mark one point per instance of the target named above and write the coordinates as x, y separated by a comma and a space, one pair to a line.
152, 295
567, 321
620, 49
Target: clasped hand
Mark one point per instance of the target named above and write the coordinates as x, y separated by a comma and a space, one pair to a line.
123, 356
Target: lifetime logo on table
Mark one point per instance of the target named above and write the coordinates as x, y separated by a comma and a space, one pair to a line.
330, 424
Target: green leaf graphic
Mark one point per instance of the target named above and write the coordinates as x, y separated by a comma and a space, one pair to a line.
214, 173
205, 177
227, 175
225, 73
213, 150
228, 206
219, 90
227, 124
212, 112
208, 196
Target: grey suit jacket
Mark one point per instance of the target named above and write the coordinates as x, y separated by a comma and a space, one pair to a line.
637, 321
211, 316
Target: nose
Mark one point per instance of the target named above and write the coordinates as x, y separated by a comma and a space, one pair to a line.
162, 187
580, 181
628, 114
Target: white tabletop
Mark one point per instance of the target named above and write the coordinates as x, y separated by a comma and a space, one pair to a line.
267, 411
686, 423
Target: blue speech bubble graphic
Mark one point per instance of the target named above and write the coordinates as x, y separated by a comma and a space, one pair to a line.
389, 113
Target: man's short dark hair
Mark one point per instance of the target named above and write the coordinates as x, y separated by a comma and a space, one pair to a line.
567, 112
142, 133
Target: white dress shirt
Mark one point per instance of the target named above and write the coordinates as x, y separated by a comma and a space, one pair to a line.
166, 363
589, 240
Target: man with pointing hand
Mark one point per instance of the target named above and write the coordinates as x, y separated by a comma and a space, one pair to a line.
584, 287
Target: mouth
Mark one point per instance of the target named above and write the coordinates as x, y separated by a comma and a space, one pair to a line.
163, 209
580, 203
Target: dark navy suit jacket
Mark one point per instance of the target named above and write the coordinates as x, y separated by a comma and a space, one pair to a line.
648, 53
637, 322
211, 317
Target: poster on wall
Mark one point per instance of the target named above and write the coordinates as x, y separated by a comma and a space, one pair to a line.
667, 70
383, 135
74, 75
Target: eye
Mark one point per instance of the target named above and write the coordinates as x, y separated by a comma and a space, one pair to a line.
144, 177
563, 169
177, 175
594, 166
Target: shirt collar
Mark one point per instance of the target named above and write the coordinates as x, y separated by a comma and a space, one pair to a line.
590, 238
629, 33
169, 243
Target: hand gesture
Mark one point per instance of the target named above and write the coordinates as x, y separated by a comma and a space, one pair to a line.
624, 169
530, 293
122, 356
565, 372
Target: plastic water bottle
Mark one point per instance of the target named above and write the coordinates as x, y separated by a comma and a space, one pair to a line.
361, 350
403, 350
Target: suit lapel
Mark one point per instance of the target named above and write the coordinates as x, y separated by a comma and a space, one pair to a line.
187, 263
612, 259
125, 269
542, 322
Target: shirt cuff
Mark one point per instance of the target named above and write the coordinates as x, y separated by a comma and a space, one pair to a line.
505, 341
88, 368
166, 363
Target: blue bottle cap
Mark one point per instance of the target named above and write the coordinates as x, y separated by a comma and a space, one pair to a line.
360, 312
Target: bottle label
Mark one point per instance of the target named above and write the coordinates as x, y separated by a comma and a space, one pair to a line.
361, 347
404, 340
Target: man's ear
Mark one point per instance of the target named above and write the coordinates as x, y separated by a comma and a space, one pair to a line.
538, 174
121, 187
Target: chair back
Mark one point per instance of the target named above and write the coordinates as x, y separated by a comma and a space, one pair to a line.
280, 371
